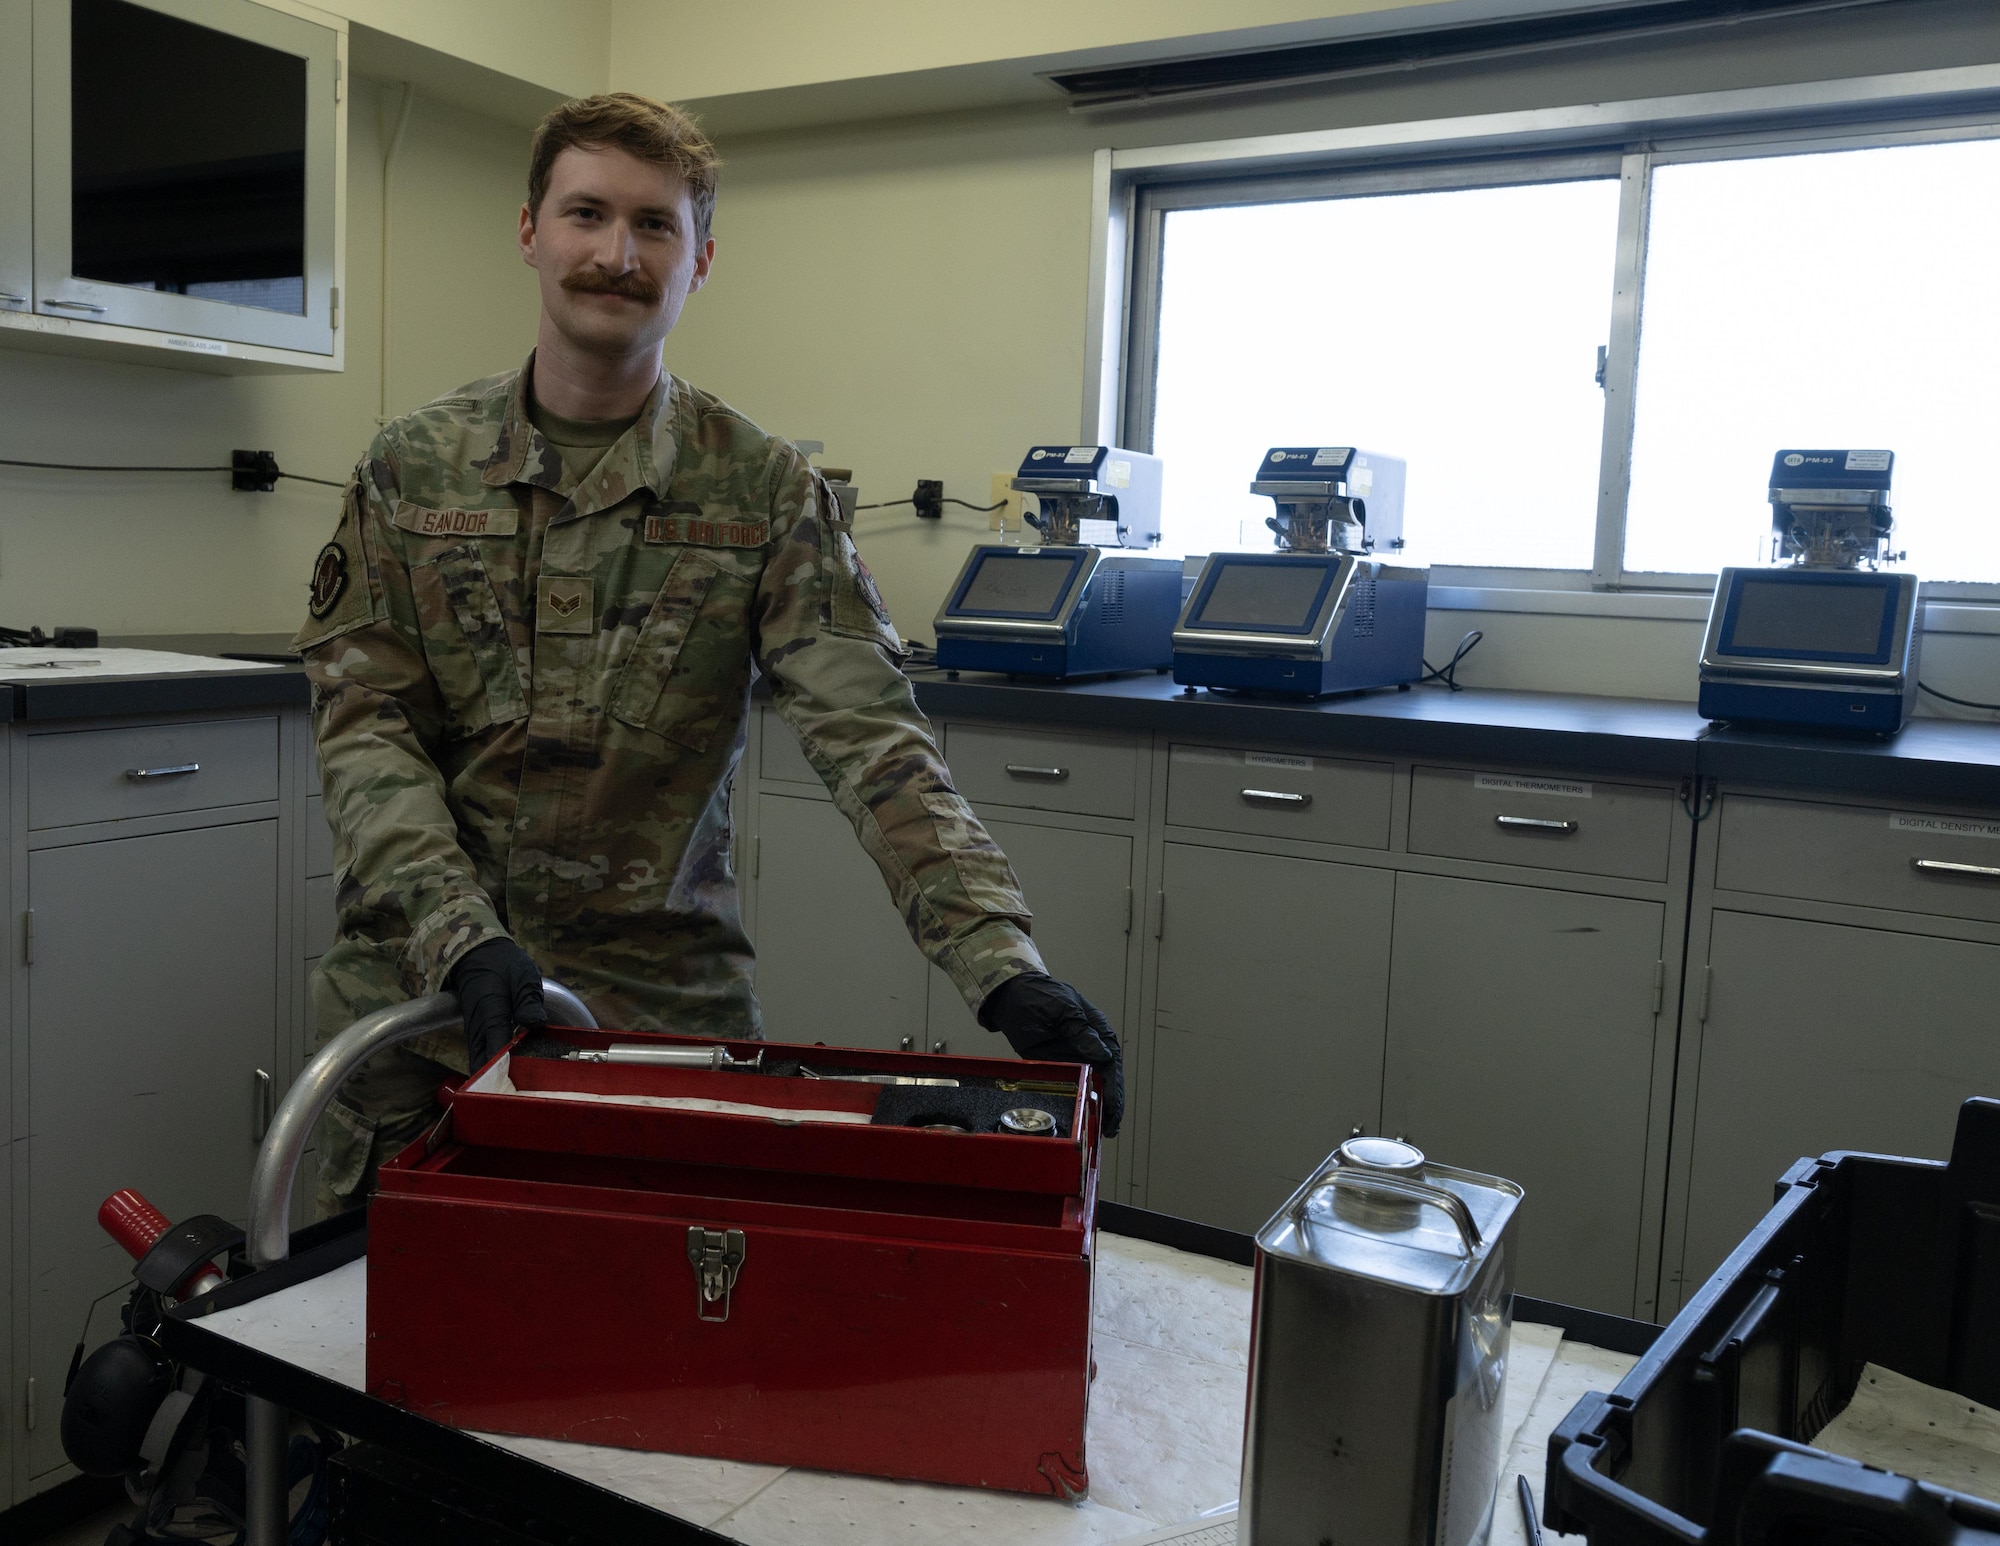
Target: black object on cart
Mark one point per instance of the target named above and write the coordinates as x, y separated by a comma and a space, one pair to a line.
1866, 1258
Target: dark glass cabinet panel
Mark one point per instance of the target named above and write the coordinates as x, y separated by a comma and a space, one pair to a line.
187, 158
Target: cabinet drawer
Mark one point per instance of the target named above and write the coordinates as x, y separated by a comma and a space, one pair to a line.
1043, 770
1589, 827
78, 776
1315, 799
1864, 856
319, 837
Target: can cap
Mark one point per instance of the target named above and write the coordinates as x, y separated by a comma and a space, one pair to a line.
1391, 1156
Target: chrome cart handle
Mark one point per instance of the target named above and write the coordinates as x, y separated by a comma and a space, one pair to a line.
1532, 824
90, 306
1297, 802
1048, 775
269, 1225
1450, 1203
178, 770
1946, 867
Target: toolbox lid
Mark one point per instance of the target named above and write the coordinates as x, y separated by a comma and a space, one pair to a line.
1377, 1209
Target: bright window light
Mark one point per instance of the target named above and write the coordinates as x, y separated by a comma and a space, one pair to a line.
1458, 330
1841, 299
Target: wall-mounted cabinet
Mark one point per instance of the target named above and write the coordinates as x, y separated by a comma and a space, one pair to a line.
172, 181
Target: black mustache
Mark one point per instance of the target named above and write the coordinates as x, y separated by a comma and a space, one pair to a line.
636, 286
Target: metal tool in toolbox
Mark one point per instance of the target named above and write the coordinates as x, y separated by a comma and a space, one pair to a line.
791, 1262
1327, 612
1379, 1354
1084, 602
1832, 640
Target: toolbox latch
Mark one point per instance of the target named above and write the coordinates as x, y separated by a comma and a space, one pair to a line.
716, 1256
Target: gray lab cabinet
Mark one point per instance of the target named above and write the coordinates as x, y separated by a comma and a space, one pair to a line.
1291, 946
1523, 1027
1840, 993
155, 999
1267, 1030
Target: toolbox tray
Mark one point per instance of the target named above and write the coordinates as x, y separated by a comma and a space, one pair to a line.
1865, 1258
1002, 1162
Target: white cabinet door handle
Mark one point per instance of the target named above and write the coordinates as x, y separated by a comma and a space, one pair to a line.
1297, 802
1946, 867
1047, 775
178, 770
1532, 824
90, 306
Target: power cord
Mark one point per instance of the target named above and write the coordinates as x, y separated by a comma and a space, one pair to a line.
891, 504
1964, 703
249, 471
1448, 672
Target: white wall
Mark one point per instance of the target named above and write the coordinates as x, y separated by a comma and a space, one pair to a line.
142, 553
913, 292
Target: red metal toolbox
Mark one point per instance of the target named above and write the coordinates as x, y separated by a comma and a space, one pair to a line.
624, 1255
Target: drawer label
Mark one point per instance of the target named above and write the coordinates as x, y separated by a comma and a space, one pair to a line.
1942, 826
1508, 783
1273, 760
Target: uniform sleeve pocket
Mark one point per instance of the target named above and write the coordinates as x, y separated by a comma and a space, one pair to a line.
982, 869
466, 643
641, 698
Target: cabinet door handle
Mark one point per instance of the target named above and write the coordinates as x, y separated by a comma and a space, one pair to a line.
10, 298
261, 1092
89, 306
1047, 775
1297, 802
1946, 867
178, 770
1532, 824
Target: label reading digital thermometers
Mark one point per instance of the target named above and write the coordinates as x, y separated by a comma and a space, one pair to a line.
1942, 826
1505, 783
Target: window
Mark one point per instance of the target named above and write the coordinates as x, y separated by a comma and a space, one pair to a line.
1587, 363
1841, 299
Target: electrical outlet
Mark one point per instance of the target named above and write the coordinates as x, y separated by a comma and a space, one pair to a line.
1004, 494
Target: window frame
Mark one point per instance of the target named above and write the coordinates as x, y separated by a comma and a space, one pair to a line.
1135, 190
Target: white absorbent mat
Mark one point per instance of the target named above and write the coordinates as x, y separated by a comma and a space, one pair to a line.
1903, 1425
26, 664
1164, 1440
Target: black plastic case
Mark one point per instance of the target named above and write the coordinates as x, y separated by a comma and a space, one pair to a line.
1865, 1258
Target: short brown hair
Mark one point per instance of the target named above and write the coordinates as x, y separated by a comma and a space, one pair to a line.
653, 131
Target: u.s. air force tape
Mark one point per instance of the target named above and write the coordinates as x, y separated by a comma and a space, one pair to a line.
704, 531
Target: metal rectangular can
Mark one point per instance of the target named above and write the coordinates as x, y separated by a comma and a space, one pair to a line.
1379, 1354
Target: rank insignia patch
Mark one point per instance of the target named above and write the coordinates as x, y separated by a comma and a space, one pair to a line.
329, 579
565, 605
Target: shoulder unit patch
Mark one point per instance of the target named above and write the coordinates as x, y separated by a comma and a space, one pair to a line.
329, 579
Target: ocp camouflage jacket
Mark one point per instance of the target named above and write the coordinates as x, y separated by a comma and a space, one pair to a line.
530, 701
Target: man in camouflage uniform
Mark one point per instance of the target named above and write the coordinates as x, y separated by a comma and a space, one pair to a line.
530, 643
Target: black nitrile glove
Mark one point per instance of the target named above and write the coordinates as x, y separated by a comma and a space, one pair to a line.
498, 988
1049, 1021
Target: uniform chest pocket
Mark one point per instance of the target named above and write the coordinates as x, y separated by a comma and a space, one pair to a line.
466, 643
681, 667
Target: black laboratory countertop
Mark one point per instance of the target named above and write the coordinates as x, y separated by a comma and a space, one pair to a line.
1947, 761
1940, 760
269, 685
